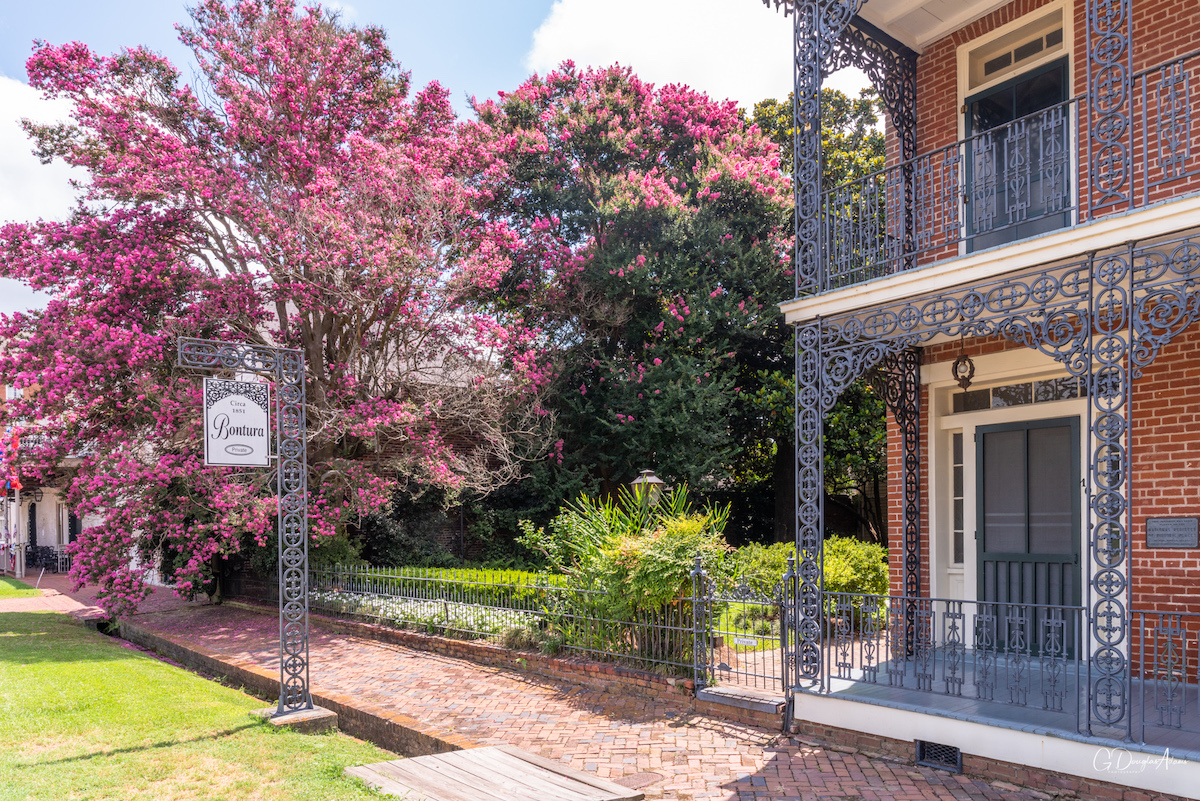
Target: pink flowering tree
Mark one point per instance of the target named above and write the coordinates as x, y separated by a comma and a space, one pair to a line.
294, 195
653, 245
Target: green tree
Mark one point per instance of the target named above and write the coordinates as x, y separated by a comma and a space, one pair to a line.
855, 432
653, 248
851, 139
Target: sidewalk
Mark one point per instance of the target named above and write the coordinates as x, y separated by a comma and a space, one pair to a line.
660, 747
57, 596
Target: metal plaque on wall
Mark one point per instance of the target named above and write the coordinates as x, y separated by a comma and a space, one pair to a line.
237, 423
1172, 532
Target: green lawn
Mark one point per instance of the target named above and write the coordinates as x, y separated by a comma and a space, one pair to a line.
11, 588
82, 717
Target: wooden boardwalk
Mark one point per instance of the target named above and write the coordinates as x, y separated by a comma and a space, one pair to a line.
496, 773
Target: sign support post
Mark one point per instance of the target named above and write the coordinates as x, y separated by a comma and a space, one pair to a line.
286, 368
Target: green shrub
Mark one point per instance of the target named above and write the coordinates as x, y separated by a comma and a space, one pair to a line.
761, 567
632, 548
510, 589
855, 566
522, 638
850, 565
638, 559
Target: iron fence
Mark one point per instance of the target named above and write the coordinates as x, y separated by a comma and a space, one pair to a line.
543, 612
52, 558
745, 644
1015, 180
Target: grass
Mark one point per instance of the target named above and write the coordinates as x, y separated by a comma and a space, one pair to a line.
755, 625
84, 717
11, 588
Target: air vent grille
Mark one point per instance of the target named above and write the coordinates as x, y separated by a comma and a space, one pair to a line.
937, 755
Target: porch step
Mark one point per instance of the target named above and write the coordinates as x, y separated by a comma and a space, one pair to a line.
763, 701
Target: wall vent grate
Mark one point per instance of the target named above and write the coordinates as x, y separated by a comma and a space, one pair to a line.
936, 755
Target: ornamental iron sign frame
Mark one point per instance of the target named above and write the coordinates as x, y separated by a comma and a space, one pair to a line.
286, 368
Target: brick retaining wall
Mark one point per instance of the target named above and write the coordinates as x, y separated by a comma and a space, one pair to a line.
574, 670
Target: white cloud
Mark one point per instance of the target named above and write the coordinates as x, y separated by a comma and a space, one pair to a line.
28, 189
736, 49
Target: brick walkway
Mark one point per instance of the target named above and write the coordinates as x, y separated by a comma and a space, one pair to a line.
613, 736
58, 596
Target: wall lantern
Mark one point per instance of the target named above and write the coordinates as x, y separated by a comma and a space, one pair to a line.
963, 368
647, 485
37, 495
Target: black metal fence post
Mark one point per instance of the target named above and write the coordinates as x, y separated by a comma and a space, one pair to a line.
701, 628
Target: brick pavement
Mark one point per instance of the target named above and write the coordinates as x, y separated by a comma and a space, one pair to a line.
58, 596
611, 735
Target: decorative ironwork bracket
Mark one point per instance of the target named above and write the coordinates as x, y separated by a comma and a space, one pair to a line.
891, 67
286, 367
817, 28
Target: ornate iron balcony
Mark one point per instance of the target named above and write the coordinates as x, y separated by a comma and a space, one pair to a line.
1014, 181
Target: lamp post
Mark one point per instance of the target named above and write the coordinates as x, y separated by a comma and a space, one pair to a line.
647, 485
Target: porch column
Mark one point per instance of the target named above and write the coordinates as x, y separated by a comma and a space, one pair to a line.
1109, 405
1109, 89
810, 499
898, 379
817, 25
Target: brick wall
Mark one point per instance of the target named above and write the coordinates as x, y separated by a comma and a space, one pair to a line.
1166, 474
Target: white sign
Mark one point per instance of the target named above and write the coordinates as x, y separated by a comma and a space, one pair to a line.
751, 641
237, 423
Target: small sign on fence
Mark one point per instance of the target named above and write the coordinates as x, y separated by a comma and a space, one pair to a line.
237, 423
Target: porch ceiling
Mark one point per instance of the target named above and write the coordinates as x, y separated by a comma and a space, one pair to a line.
919, 23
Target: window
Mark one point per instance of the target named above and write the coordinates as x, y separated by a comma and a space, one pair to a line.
1019, 157
1052, 389
1016, 50
957, 526
1015, 85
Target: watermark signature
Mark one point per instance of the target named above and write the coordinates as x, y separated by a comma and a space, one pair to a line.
1120, 760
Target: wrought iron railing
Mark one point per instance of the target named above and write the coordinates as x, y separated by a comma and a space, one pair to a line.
1030, 656
1165, 674
1011, 182
52, 558
544, 613
720, 632
1023, 655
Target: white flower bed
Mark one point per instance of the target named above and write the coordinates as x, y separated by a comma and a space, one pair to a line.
432, 615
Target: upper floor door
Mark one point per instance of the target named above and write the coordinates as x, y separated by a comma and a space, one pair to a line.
1018, 158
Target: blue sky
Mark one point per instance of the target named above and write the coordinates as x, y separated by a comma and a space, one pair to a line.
737, 49
472, 47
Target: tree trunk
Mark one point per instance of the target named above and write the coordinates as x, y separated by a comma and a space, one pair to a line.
785, 491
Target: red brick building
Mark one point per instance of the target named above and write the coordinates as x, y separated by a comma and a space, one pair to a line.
1022, 282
